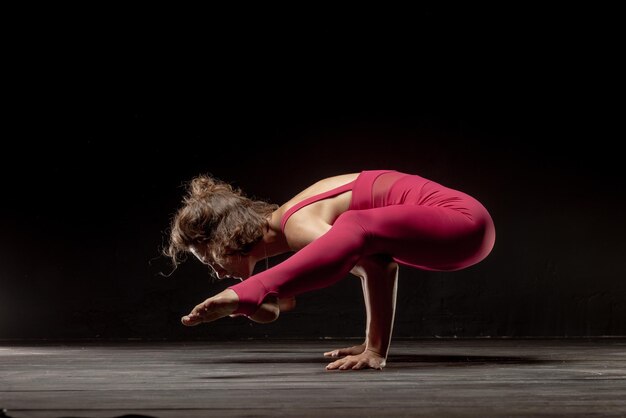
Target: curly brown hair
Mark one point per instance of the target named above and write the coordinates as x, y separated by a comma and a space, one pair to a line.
214, 212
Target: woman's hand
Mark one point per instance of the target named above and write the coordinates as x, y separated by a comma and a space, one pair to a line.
357, 349
366, 360
215, 307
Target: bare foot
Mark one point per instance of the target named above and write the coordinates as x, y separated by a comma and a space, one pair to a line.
215, 307
287, 304
268, 311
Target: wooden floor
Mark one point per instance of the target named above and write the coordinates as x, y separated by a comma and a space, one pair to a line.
269, 378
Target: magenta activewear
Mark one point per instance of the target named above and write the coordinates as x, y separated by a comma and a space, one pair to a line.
417, 222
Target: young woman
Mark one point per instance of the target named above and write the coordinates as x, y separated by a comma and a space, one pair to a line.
364, 223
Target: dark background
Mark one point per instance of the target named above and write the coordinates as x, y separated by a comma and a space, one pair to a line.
110, 111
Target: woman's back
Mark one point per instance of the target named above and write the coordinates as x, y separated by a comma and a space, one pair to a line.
311, 212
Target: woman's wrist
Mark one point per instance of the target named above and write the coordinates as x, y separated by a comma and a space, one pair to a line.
377, 346
376, 352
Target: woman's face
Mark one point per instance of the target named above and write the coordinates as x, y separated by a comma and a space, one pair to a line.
236, 266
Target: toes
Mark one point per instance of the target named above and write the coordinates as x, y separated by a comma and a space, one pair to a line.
190, 320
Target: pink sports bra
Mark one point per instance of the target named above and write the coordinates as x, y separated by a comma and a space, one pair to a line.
315, 198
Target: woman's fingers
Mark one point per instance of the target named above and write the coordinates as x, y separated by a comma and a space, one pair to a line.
361, 361
335, 365
357, 349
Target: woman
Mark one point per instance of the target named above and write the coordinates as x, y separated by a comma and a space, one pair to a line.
363, 223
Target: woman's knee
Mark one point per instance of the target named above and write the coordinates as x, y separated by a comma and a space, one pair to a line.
350, 226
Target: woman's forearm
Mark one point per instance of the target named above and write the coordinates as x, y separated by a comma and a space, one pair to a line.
380, 301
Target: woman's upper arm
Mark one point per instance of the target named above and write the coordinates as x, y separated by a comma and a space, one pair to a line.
303, 232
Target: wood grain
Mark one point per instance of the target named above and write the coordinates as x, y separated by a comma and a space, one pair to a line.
441, 377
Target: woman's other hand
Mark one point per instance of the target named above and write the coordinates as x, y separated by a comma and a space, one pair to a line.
366, 360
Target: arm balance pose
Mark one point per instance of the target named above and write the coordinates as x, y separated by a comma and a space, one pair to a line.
365, 223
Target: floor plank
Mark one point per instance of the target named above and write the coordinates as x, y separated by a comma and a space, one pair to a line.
440, 377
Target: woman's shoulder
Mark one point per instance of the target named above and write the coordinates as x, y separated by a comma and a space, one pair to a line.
316, 216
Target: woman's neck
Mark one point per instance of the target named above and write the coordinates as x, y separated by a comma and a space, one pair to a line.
274, 240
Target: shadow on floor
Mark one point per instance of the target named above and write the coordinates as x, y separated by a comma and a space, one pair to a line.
4, 414
461, 360
465, 359
117, 416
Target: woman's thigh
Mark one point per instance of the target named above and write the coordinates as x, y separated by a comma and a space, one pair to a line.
427, 237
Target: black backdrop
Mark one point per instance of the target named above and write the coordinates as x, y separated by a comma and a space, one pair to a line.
111, 112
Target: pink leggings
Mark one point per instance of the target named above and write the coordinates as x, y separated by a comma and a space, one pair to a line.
425, 237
